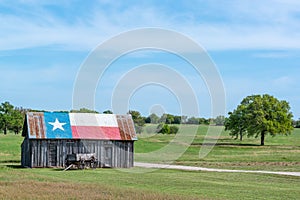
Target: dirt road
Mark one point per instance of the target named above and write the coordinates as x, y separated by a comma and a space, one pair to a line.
190, 168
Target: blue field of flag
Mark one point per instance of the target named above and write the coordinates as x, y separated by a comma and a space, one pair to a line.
58, 125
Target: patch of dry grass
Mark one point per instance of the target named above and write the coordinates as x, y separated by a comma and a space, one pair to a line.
69, 190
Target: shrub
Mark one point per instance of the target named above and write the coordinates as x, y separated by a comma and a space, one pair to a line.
173, 129
166, 129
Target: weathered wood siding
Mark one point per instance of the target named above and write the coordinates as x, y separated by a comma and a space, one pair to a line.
52, 153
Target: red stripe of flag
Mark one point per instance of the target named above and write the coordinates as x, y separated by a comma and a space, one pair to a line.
96, 132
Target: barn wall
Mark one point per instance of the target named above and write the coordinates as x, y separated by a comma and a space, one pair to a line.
52, 153
25, 153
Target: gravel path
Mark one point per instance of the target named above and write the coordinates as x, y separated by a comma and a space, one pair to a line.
190, 168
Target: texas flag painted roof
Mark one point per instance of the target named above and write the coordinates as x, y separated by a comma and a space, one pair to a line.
63, 125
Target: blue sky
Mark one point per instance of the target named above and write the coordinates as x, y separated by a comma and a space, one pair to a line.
254, 44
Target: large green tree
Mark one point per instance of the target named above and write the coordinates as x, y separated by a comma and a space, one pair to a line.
259, 115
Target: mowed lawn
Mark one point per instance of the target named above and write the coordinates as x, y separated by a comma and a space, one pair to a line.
138, 183
280, 153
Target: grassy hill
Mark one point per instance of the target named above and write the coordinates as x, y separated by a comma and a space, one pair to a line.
280, 153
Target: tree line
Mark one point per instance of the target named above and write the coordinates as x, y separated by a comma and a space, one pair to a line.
167, 122
176, 119
255, 116
12, 119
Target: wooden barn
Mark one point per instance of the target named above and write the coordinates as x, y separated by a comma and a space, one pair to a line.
51, 136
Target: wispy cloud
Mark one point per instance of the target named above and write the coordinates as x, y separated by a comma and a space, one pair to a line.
284, 82
267, 29
274, 55
241, 25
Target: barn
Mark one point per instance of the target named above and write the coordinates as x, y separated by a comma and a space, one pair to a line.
50, 136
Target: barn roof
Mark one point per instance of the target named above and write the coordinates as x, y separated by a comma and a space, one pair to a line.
63, 125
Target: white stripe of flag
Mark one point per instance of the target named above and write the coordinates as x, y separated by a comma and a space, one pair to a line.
91, 119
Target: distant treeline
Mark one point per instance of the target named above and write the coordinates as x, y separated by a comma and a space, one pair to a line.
12, 119
168, 119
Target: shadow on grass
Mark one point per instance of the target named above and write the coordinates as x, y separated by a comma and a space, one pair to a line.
57, 169
9, 161
226, 144
72, 169
15, 166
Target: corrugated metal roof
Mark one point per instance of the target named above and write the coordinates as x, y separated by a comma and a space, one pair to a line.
62, 125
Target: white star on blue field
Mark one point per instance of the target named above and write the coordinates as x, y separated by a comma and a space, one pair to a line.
254, 44
57, 125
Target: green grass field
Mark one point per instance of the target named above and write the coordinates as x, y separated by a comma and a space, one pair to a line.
280, 154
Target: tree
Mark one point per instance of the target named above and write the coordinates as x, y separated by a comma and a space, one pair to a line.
220, 120
260, 115
138, 120
11, 118
296, 123
17, 120
236, 122
184, 119
204, 121
107, 112
163, 118
6, 111
167, 118
177, 119
193, 120
153, 118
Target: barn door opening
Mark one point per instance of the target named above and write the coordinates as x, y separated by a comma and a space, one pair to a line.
52, 154
108, 157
